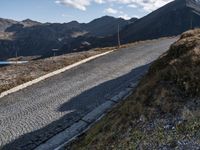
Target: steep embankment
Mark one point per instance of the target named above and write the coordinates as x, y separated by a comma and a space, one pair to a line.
164, 110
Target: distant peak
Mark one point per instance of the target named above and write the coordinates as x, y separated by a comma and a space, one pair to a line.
107, 16
104, 19
28, 20
73, 21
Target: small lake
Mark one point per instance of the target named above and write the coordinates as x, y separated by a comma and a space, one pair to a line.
12, 62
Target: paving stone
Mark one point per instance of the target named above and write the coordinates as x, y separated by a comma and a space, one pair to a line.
63, 136
97, 112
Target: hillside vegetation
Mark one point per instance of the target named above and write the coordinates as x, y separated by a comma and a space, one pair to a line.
14, 75
164, 110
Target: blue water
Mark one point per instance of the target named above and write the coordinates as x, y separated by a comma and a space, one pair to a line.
12, 62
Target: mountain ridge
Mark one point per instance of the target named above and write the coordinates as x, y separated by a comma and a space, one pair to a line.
172, 19
34, 38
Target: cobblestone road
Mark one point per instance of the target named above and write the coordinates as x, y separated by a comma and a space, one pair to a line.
33, 115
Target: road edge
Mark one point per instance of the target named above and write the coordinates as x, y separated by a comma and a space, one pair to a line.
60, 140
37, 80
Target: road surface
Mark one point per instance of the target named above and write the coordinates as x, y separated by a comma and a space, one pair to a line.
33, 115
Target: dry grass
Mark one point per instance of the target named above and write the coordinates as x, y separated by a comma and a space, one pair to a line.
181, 64
172, 81
13, 75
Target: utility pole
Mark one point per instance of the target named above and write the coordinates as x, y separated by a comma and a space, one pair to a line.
191, 21
16, 55
119, 42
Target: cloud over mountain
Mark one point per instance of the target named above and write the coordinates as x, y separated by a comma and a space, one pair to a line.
146, 5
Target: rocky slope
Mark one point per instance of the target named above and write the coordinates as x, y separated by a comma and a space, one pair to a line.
106, 26
164, 110
172, 19
5, 23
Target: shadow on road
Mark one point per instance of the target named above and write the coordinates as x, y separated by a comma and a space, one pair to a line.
80, 106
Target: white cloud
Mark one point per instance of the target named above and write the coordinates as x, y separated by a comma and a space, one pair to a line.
116, 12
132, 6
125, 16
147, 5
79, 4
111, 11
99, 1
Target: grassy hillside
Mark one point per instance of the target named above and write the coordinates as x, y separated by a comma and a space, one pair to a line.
164, 110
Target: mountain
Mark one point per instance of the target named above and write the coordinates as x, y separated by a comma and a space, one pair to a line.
29, 37
30, 23
106, 25
171, 19
100, 33
33, 38
5, 23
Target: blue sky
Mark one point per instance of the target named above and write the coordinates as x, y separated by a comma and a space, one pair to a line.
80, 10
